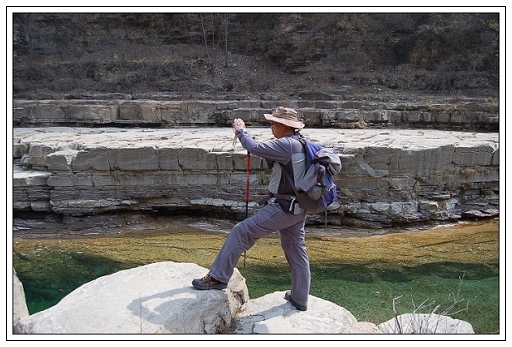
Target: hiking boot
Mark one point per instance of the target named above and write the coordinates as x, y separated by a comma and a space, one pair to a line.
208, 282
288, 296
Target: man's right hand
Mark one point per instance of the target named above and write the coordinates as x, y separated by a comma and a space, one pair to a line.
238, 124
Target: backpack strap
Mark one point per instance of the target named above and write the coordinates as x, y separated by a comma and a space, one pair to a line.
290, 179
302, 141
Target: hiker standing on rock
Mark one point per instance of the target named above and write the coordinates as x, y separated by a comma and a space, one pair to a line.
280, 212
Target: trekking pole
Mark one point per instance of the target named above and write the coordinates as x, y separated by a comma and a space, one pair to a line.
247, 176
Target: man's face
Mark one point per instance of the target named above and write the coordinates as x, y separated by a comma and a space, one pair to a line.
278, 129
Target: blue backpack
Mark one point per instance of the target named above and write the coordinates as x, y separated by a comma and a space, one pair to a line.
316, 190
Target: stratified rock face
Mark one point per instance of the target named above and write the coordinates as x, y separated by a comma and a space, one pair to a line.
388, 176
168, 110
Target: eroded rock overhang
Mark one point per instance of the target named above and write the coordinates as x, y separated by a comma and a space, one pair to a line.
389, 176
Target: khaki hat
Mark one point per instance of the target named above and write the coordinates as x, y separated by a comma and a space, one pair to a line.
286, 116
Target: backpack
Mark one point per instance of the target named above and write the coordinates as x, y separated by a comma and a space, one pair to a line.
316, 190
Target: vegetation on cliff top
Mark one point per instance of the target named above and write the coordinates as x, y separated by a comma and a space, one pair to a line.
207, 54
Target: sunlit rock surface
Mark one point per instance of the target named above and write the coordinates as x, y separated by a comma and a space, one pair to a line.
388, 176
158, 299
152, 299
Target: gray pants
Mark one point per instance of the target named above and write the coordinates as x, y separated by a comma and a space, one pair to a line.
244, 235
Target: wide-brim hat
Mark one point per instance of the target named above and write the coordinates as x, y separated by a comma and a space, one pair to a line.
286, 116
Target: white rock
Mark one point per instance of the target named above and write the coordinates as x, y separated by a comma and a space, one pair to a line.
159, 299
272, 314
152, 299
19, 306
425, 324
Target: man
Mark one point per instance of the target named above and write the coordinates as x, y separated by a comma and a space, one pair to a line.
280, 213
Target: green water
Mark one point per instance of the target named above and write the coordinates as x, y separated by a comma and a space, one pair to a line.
51, 269
48, 275
369, 297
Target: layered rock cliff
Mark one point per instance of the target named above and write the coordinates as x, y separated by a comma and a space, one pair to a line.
388, 177
371, 72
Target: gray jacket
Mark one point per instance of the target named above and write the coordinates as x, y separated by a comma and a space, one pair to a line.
285, 150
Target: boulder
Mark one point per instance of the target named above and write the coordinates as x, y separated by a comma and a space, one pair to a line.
425, 323
272, 314
153, 299
159, 299
19, 305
